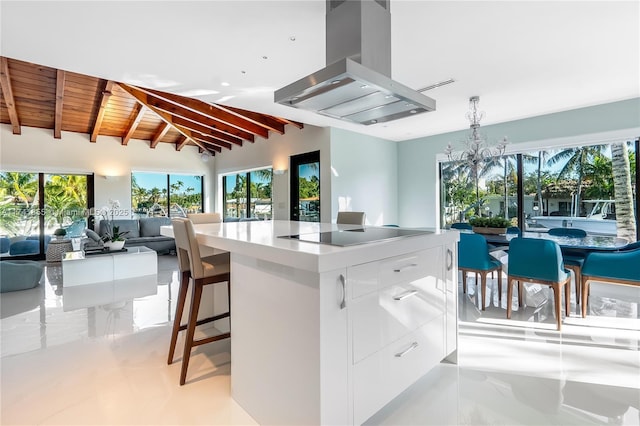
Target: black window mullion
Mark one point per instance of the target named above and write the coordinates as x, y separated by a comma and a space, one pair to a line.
637, 146
247, 213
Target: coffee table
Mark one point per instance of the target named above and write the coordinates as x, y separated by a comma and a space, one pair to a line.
78, 269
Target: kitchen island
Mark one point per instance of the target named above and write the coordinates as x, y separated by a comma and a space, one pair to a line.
325, 334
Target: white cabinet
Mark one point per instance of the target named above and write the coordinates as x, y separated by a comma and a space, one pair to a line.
333, 346
397, 319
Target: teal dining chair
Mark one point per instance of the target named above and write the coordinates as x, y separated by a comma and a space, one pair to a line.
573, 259
473, 256
535, 260
620, 267
514, 230
461, 225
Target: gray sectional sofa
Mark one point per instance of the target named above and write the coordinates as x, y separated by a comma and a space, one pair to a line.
142, 232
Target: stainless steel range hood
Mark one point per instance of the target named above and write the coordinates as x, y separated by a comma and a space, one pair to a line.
356, 85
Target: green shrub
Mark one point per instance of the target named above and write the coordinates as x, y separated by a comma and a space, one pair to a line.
490, 222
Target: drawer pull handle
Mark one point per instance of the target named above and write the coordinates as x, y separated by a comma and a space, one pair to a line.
402, 268
343, 304
449, 259
405, 295
406, 351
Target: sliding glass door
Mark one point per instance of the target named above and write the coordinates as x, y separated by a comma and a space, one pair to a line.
589, 187
34, 205
305, 187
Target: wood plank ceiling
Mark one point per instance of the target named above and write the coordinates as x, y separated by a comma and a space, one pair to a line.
38, 96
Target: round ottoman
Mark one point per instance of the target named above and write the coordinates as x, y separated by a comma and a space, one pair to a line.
19, 275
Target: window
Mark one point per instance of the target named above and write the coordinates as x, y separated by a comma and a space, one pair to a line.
248, 195
586, 187
34, 205
159, 194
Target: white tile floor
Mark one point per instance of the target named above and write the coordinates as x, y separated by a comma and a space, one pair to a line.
99, 357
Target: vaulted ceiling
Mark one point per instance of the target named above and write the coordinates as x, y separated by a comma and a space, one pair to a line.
38, 96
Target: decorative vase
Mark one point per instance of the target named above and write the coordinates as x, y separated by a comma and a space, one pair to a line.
490, 231
114, 245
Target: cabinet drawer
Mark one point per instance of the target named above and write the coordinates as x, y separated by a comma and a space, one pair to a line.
385, 316
409, 267
384, 375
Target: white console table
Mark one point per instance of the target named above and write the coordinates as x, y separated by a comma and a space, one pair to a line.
104, 267
322, 334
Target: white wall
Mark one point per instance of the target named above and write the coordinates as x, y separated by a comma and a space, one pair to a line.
365, 176
275, 152
418, 190
35, 150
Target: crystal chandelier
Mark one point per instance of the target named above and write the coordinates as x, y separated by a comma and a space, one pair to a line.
476, 149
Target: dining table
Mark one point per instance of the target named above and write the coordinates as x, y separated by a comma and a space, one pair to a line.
586, 244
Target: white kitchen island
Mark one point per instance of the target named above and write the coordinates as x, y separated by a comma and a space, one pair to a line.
322, 334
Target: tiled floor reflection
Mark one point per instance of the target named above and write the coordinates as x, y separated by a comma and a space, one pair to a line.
97, 355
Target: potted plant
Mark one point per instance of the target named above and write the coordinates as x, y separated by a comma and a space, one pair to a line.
489, 225
114, 239
59, 233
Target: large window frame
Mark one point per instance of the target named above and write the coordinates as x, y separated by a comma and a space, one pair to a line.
44, 211
251, 201
168, 188
521, 152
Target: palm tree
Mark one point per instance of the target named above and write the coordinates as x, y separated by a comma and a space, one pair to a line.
625, 217
576, 160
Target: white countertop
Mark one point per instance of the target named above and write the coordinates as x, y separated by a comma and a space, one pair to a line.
259, 239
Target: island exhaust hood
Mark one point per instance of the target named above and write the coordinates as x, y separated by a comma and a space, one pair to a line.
356, 85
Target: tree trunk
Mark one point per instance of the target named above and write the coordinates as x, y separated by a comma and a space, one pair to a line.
625, 217
539, 184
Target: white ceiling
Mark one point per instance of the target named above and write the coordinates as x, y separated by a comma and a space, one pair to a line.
523, 58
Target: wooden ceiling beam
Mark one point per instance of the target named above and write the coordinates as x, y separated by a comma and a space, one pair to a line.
208, 139
204, 130
231, 134
293, 123
137, 114
181, 143
212, 111
104, 100
7, 91
142, 98
263, 120
161, 133
57, 121
188, 113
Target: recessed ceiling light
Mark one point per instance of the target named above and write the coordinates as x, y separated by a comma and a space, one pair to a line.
335, 82
292, 38
413, 111
374, 121
364, 86
225, 84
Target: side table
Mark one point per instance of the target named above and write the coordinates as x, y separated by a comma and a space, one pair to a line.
56, 248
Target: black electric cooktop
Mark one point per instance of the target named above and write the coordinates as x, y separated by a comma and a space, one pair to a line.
351, 237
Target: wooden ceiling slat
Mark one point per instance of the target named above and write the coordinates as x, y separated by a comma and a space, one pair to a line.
211, 111
7, 91
29, 77
59, 100
57, 131
104, 100
137, 114
260, 119
162, 131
